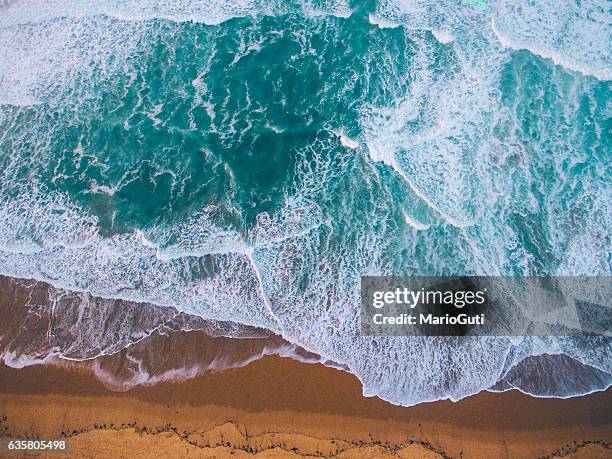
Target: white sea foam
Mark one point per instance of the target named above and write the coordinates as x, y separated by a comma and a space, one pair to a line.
13, 360
211, 12
431, 132
381, 22
140, 375
415, 224
443, 36
575, 35
345, 140
87, 49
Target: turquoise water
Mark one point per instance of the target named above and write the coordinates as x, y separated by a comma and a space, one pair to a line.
249, 161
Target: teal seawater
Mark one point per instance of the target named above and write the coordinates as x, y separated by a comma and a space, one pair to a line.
249, 161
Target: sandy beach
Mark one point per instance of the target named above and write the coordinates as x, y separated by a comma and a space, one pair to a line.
277, 407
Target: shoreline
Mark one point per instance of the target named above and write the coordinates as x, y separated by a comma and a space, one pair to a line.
194, 393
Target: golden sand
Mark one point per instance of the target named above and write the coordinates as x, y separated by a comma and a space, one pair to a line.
278, 407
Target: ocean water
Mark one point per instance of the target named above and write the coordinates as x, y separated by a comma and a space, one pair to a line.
248, 161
